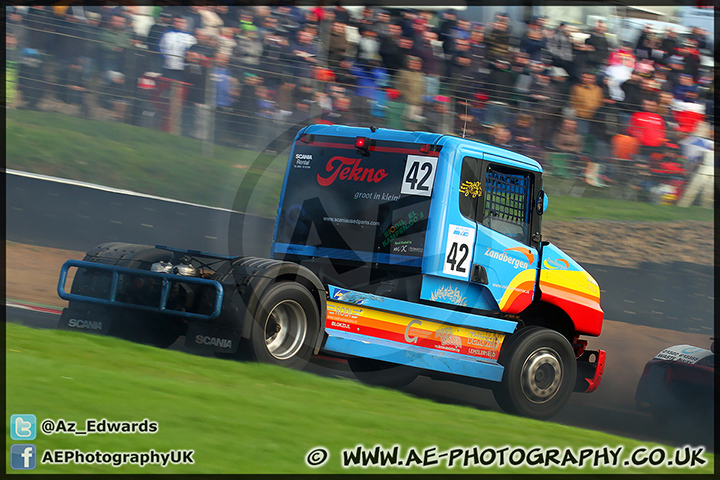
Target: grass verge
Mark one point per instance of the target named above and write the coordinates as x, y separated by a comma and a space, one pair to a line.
157, 163
250, 418
137, 159
572, 209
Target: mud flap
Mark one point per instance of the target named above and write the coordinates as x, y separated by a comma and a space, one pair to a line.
212, 339
93, 320
589, 373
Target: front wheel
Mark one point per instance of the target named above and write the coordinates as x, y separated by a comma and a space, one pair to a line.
286, 325
539, 376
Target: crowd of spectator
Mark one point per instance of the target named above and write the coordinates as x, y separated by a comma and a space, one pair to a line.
260, 73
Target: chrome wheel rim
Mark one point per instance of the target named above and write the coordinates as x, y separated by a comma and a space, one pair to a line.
285, 329
542, 375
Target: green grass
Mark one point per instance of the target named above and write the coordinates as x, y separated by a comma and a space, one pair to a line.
139, 159
573, 208
157, 163
247, 418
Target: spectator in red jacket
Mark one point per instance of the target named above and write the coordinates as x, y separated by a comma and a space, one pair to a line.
649, 128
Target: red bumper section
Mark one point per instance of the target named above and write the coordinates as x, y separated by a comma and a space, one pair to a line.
589, 373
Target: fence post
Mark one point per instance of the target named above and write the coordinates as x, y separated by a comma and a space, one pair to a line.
209, 119
448, 125
175, 107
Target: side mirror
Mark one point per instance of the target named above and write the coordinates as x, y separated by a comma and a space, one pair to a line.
541, 203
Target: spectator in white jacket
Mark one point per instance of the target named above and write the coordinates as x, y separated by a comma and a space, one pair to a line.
173, 45
211, 20
368, 47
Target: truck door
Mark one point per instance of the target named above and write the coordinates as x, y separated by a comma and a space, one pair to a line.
457, 259
504, 259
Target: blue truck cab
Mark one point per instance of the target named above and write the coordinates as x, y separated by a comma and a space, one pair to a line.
404, 253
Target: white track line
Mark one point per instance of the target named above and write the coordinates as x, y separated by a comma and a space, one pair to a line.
108, 189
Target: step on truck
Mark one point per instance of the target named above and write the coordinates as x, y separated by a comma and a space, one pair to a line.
404, 253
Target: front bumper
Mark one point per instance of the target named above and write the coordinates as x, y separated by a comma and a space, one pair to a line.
589, 374
120, 274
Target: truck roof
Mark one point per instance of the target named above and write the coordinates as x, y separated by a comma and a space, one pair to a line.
451, 141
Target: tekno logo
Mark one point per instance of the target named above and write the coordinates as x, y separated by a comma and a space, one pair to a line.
344, 168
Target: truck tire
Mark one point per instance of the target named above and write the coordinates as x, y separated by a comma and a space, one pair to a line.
381, 374
539, 376
285, 326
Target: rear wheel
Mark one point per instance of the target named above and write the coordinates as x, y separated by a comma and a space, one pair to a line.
286, 325
539, 376
381, 374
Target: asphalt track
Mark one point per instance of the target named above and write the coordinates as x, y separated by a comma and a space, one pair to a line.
76, 217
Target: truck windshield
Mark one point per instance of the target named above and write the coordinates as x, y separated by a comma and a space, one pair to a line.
356, 205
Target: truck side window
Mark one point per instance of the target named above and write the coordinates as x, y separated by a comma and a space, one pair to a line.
470, 187
506, 207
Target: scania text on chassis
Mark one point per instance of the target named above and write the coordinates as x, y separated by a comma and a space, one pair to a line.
404, 252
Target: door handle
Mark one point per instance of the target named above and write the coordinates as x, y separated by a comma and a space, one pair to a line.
478, 274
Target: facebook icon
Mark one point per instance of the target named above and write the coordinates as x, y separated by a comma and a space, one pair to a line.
22, 457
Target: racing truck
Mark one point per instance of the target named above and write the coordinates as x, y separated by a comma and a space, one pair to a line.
681, 379
404, 253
